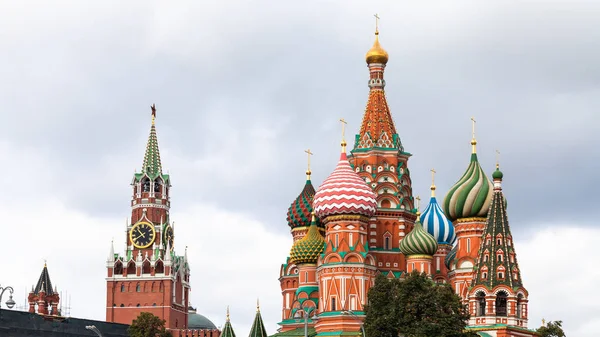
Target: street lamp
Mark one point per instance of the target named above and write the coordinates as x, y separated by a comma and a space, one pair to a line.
10, 303
351, 313
94, 329
307, 310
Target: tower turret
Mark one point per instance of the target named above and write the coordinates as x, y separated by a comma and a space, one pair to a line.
378, 157
467, 204
497, 295
149, 277
258, 326
44, 296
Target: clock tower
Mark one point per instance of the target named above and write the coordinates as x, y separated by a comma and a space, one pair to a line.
149, 276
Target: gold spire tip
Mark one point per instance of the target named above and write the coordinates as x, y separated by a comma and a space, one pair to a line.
343, 121
376, 24
257, 306
227, 313
433, 172
308, 171
45, 264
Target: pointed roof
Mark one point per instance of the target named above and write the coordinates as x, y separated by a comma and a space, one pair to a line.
497, 244
227, 329
152, 165
44, 284
258, 327
377, 128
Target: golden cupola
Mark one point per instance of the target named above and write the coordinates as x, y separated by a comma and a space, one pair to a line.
377, 54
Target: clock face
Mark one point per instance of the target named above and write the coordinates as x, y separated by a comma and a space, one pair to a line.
169, 237
142, 235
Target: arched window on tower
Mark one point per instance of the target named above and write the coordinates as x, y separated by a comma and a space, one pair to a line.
159, 268
157, 186
145, 184
131, 268
118, 268
386, 244
146, 268
519, 305
480, 303
501, 302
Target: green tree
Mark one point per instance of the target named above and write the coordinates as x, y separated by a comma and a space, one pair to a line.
552, 329
148, 325
415, 307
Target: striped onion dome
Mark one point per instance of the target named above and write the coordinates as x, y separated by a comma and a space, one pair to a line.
299, 213
418, 242
471, 196
451, 257
344, 192
308, 249
437, 224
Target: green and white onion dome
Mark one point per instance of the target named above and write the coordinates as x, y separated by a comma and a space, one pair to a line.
471, 196
418, 242
308, 249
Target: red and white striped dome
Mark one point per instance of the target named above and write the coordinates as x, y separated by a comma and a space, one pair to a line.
344, 192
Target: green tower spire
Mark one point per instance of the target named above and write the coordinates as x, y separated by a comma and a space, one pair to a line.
228, 329
151, 165
258, 327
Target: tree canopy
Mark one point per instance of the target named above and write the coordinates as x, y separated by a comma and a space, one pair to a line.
414, 307
148, 325
551, 329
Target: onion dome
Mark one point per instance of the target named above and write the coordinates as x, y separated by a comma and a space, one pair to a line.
197, 321
344, 192
435, 222
471, 195
377, 54
299, 213
451, 257
308, 249
418, 241
497, 175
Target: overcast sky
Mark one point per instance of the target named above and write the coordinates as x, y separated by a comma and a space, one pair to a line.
243, 87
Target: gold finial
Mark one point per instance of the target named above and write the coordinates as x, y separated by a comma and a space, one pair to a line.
308, 172
377, 54
433, 172
153, 107
257, 306
376, 24
473, 141
227, 313
343, 134
418, 198
45, 265
497, 159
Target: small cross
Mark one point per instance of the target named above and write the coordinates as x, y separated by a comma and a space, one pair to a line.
376, 23
473, 122
497, 158
153, 107
433, 172
343, 127
309, 154
418, 198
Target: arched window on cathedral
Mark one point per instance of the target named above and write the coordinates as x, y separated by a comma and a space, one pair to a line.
499, 257
501, 302
468, 245
122, 288
138, 288
486, 258
484, 275
519, 305
386, 244
145, 184
480, 303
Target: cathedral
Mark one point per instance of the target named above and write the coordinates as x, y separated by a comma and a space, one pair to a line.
364, 220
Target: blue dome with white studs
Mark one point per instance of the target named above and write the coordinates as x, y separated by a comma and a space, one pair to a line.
436, 223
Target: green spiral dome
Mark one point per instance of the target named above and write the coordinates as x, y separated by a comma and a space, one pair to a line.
471, 196
418, 242
308, 249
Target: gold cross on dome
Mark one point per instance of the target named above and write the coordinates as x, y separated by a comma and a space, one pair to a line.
376, 23
309, 154
473, 121
418, 198
433, 172
343, 127
497, 159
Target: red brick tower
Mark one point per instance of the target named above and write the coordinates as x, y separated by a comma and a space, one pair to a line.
380, 159
150, 277
44, 296
497, 297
